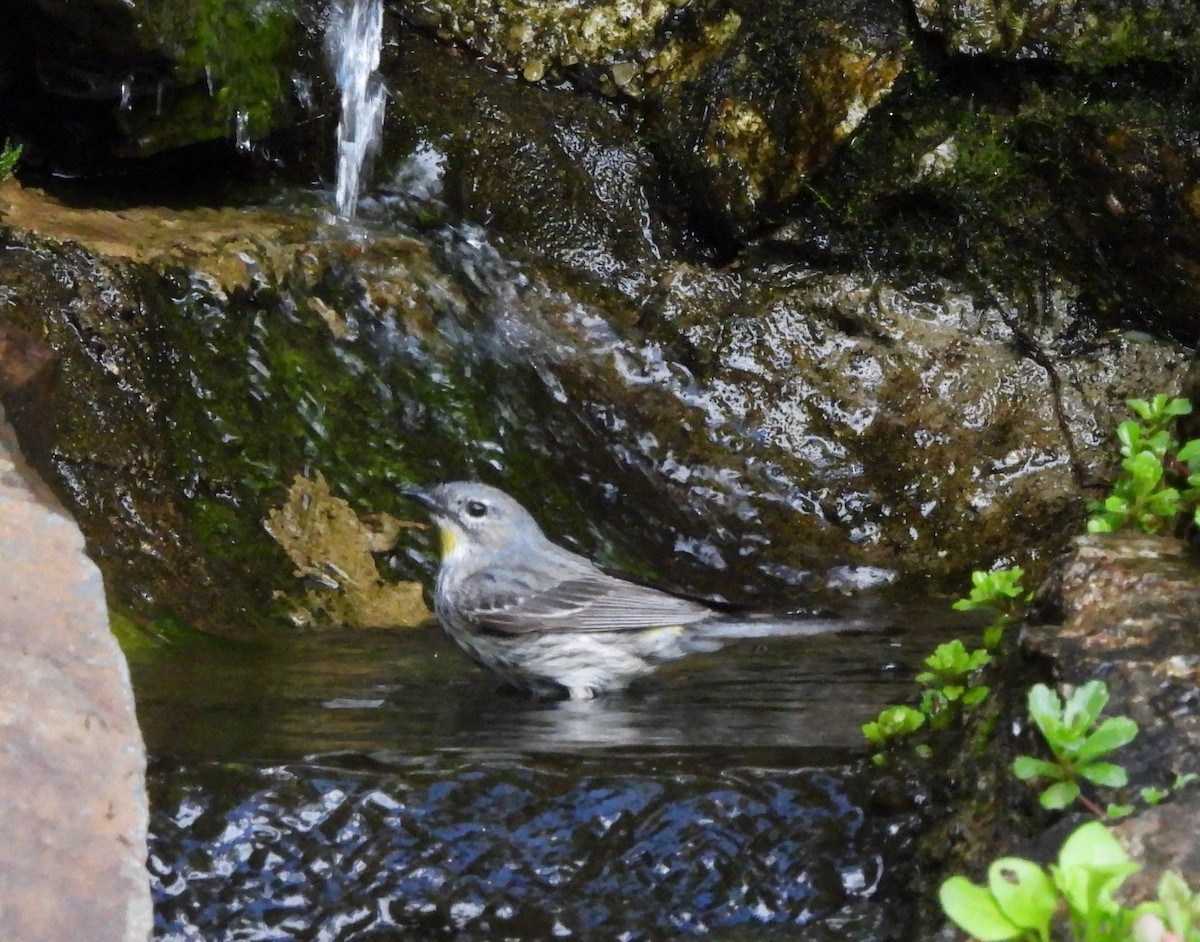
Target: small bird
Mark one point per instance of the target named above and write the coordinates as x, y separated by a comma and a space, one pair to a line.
551, 622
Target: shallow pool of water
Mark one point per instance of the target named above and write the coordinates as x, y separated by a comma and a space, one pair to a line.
375, 785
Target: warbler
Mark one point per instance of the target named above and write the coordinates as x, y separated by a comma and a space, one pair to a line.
551, 622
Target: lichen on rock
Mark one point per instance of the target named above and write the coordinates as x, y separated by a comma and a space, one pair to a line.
333, 552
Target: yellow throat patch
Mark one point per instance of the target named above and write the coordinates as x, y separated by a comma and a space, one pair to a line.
449, 540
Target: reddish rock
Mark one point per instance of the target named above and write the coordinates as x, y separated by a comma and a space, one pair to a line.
73, 820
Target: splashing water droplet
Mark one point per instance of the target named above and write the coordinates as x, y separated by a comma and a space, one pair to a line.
242, 131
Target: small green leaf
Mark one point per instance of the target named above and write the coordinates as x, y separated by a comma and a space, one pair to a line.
1108, 774
892, 723
1177, 407
1114, 732
1092, 846
1044, 704
1184, 779
992, 635
1115, 810
1116, 505
1142, 408
1146, 469
1085, 705
1189, 452
1059, 796
974, 910
1153, 795
1024, 893
1027, 767
975, 696
1176, 899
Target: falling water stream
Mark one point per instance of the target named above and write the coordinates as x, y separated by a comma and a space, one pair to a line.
353, 40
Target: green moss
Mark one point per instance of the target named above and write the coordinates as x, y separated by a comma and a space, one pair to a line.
10, 155
238, 54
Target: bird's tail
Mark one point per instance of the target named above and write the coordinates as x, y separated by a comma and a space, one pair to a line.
715, 634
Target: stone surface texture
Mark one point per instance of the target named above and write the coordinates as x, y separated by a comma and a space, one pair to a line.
74, 816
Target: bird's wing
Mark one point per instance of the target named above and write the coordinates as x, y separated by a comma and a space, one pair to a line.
527, 600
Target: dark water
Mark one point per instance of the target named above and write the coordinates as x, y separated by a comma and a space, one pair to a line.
376, 786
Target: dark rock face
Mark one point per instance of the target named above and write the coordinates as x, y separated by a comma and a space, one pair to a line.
73, 821
1092, 34
749, 436
88, 85
748, 105
522, 161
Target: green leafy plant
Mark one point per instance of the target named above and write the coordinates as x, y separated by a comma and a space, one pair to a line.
1153, 795
1021, 900
1079, 743
10, 154
1159, 478
1000, 594
1177, 911
893, 723
952, 678
952, 672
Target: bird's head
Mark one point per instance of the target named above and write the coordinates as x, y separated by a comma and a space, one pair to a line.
475, 518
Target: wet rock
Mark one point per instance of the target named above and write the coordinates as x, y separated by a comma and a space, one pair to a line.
130, 431
755, 433
1122, 608
553, 172
902, 415
743, 101
519, 33
747, 105
23, 359
1094, 34
74, 817
1126, 610
1161, 839
1069, 192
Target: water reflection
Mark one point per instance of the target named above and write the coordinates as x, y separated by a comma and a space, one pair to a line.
411, 693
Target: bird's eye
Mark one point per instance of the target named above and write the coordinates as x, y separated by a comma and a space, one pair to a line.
476, 508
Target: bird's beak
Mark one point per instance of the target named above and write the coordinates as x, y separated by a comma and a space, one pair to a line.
421, 497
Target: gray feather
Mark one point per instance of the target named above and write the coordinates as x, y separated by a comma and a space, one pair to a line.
537, 600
